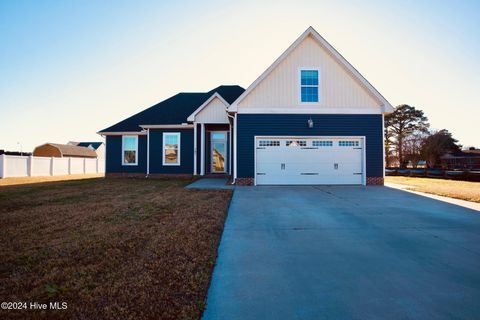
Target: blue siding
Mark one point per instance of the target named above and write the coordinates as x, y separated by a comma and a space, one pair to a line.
251, 125
186, 152
114, 156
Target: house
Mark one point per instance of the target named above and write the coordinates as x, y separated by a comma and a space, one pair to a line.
98, 147
465, 159
63, 150
310, 118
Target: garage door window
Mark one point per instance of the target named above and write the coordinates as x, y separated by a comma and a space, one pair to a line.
296, 143
348, 143
323, 143
269, 143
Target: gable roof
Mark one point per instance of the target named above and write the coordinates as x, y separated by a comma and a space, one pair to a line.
174, 110
386, 106
215, 95
68, 150
94, 145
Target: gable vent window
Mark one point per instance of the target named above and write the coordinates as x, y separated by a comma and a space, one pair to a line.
348, 143
309, 85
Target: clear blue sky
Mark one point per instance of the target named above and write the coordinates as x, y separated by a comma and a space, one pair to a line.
71, 68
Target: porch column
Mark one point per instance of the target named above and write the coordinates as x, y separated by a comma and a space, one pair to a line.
195, 149
202, 150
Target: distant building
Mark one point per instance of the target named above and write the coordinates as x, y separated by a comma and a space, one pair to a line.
15, 153
63, 150
465, 159
98, 147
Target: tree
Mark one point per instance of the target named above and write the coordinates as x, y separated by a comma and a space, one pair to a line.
437, 144
400, 124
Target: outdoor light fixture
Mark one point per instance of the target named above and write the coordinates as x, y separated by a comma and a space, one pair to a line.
310, 123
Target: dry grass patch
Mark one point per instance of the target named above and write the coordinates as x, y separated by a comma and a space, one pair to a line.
464, 190
111, 248
30, 180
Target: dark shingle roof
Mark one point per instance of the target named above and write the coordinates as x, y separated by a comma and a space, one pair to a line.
174, 110
94, 145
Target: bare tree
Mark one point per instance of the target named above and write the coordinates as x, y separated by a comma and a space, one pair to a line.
399, 125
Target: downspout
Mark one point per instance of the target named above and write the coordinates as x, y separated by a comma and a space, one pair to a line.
148, 152
231, 145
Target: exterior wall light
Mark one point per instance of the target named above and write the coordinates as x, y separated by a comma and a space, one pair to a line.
310, 123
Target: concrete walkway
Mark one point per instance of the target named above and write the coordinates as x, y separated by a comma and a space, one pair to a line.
345, 253
207, 183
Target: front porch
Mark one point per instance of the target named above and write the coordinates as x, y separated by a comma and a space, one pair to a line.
212, 150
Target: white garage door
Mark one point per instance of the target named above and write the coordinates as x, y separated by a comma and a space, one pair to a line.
309, 160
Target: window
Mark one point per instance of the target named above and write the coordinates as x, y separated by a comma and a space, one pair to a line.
129, 150
297, 143
269, 143
171, 149
348, 143
309, 85
322, 143
219, 136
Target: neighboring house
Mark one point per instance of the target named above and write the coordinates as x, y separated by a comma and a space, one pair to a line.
98, 147
465, 159
310, 118
63, 150
15, 153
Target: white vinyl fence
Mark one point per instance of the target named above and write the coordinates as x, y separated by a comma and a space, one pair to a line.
22, 166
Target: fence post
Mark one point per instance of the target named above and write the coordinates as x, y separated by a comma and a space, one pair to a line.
30, 166
69, 165
2, 166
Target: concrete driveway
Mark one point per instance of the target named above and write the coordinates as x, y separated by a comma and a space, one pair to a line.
345, 253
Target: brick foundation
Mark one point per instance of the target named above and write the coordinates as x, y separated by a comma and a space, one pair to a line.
244, 181
375, 181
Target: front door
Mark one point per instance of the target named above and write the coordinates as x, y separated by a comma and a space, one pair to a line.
218, 151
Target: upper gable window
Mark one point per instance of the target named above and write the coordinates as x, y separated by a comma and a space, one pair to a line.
309, 85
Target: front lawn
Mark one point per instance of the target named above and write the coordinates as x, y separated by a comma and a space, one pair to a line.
110, 248
463, 190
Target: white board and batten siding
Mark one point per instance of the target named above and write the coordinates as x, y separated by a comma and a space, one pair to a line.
22, 166
309, 160
213, 112
339, 90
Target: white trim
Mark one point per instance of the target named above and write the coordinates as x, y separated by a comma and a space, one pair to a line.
215, 95
194, 148
178, 163
299, 82
235, 148
123, 133
202, 150
166, 126
148, 152
123, 151
364, 147
309, 109
386, 106
383, 141
229, 141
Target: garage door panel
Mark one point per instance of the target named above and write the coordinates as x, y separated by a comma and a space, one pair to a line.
309, 161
